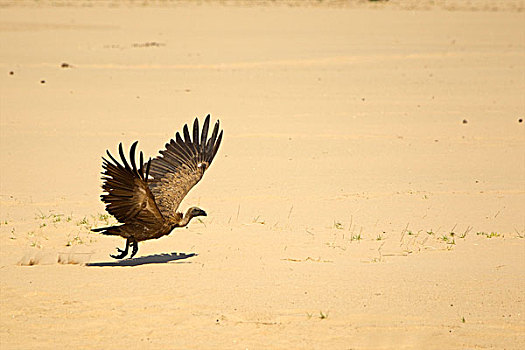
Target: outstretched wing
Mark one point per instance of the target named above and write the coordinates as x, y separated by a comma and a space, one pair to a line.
128, 197
182, 164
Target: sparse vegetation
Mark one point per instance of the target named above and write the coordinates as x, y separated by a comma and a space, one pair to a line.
75, 240
319, 260
344, 233
80, 230
84, 221
57, 217
105, 218
489, 235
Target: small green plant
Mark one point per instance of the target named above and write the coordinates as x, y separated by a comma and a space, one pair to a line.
75, 240
379, 237
356, 237
202, 222
103, 217
431, 233
322, 315
447, 239
444, 238
463, 319
258, 220
57, 217
84, 221
464, 234
410, 233
338, 225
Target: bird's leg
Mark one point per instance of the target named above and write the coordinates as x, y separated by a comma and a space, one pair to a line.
124, 252
135, 248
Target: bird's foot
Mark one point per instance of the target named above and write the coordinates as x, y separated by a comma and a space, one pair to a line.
122, 254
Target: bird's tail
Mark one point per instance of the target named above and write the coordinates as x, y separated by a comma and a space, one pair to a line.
110, 230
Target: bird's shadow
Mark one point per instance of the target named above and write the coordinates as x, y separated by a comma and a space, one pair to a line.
145, 260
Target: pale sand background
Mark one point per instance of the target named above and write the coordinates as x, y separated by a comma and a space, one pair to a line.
344, 169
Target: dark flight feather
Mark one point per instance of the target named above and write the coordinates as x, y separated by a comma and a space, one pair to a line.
181, 165
128, 197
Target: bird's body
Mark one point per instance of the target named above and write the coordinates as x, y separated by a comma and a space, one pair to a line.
145, 198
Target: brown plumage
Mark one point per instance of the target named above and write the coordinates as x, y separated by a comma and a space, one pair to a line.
145, 198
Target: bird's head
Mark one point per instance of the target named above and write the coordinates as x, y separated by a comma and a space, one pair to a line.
190, 214
194, 212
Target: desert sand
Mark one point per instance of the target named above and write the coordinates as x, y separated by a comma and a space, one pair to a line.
368, 194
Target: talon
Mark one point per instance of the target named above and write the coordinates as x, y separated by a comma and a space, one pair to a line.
120, 256
123, 252
135, 248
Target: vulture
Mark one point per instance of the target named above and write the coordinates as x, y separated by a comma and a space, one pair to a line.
144, 197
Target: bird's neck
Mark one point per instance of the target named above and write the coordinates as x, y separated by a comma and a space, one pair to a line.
185, 219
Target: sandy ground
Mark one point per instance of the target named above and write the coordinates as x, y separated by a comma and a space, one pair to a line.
369, 192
